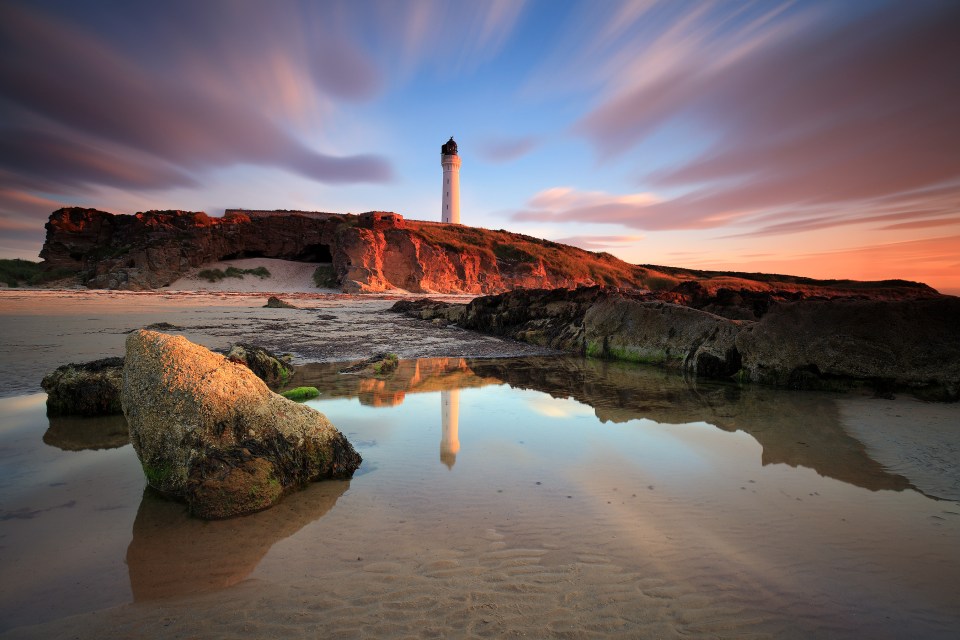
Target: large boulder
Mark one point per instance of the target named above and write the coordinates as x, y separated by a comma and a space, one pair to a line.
210, 432
85, 389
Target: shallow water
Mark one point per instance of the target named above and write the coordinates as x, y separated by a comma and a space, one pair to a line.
543, 497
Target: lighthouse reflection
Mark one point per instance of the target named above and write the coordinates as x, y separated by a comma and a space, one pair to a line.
449, 426
783, 423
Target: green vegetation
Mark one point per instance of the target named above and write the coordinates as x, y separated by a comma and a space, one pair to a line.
16, 272
512, 253
325, 277
301, 393
387, 365
660, 283
216, 275
156, 476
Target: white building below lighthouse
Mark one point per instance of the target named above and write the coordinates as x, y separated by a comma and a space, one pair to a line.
450, 161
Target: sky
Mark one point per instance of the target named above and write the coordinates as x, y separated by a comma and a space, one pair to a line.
817, 138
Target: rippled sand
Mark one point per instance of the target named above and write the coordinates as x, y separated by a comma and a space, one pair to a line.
538, 498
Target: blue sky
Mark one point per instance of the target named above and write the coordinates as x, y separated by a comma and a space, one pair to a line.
814, 138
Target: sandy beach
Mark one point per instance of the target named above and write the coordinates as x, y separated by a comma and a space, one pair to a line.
550, 522
42, 329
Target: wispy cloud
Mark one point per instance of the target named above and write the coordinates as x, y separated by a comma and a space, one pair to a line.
498, 149
200, 87
818, 111
592, 243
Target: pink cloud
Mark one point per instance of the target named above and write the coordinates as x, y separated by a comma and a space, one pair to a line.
592, 243
816, 121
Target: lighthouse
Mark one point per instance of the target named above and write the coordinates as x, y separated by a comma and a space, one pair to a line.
450, 161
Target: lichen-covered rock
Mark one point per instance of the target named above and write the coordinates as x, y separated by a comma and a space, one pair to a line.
267, 366
85, 389
210, 432
664, 334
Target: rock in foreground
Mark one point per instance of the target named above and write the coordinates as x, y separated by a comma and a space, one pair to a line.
210, 432
85, 389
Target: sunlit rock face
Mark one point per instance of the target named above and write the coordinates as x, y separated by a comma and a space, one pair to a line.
210, 432
370, 252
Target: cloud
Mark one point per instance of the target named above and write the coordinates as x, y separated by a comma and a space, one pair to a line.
592, 243
506, 149
814, 110
447, 37
154, 95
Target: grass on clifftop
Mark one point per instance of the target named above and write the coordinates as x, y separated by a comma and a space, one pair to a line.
216, 275
514, 252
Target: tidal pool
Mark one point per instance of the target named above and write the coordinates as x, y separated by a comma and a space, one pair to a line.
546, 497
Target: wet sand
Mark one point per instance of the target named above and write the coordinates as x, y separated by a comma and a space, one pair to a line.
41, 330
609, 506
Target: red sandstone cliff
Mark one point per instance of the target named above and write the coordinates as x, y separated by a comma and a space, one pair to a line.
379, 251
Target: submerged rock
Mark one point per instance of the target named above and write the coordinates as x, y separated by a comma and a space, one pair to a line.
273, 302
85, 389
208, 431
267, 366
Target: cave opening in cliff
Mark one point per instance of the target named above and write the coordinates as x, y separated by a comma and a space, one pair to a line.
314, 253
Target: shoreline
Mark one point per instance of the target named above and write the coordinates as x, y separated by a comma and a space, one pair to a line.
41, 330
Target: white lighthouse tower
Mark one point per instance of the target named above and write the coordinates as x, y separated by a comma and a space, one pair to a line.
450, 161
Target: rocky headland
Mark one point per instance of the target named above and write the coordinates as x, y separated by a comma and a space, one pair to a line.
381, 251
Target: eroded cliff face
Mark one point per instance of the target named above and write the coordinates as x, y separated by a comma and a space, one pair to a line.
369, 252
379, 251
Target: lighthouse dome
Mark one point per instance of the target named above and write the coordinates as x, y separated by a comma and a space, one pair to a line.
449, 148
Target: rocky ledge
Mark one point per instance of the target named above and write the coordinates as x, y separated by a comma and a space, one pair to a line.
210, 432
890, 345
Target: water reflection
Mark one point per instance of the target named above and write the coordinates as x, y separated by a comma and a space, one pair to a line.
449, 426
172, 554
410, 376
793, 428
72, 433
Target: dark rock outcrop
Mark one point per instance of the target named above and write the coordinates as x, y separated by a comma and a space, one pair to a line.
269, 367
273, 302
85, 389
211, 433
889, 345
